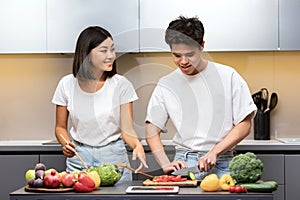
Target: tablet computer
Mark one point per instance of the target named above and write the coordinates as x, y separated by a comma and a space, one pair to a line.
152, 189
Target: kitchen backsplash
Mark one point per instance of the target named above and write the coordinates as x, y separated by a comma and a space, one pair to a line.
27, 84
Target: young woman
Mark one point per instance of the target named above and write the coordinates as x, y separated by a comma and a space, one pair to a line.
97, 104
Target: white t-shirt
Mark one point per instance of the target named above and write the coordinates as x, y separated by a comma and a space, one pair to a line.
94, 117
203, 107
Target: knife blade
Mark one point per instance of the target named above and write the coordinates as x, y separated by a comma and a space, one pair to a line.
185, 171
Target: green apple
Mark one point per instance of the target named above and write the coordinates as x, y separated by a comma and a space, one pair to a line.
30, 173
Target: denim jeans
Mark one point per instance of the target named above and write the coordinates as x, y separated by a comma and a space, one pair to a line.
191, 158
94, 156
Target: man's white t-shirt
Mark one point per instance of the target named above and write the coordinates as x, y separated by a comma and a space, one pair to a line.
203, 107
94, 117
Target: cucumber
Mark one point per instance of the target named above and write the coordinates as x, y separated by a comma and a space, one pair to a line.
192, 175
267, 186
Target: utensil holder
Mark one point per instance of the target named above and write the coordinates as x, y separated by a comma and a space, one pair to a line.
262, 125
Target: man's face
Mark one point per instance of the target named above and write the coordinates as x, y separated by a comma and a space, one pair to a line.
187, 58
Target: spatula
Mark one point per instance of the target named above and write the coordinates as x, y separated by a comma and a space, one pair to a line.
120, 164
78, 156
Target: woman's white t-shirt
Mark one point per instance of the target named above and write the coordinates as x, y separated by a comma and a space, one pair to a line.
203, 107
94, 117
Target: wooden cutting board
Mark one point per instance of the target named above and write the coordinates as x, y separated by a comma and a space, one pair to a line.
31, 189
186, 183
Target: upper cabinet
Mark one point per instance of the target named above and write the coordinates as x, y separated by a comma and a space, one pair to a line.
289, 26
23, 26
231, 25
67, 18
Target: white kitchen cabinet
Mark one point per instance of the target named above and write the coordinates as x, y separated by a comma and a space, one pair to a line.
23, 26
231, 25
289, 26
67, 18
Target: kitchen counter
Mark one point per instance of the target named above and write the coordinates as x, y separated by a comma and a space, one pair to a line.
49, 146
118, 192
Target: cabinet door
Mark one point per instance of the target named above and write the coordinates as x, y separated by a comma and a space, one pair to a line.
289, 26
57, 162
230, 25
12, 172
23, 27
292, 177
67, 18
274, 170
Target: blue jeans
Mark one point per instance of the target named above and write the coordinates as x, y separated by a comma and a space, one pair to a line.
191, 158
94, 156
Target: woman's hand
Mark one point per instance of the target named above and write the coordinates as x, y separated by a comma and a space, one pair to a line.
67, 149
138, 152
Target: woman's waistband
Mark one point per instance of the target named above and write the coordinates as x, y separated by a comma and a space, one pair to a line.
83, 144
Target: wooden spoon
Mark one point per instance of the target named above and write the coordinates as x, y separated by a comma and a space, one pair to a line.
72, 149
120, 164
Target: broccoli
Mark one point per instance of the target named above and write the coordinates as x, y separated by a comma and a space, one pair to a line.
246, 168
109, 174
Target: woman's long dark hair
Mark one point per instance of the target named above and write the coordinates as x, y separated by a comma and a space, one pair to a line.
88, 39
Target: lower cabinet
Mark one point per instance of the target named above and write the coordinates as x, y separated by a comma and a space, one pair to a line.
12, 172
274, 170
292, 177
14, 167
57, 162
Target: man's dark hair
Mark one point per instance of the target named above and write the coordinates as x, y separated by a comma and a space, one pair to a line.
184, 30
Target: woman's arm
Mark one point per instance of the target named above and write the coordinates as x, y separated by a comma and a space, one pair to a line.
61, 126
129, 135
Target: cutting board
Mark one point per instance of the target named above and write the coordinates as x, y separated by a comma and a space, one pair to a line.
31, 189
187, 183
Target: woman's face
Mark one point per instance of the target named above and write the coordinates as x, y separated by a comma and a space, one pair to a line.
103, 56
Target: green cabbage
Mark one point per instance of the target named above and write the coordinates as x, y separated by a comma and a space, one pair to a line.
109, 174
246, 168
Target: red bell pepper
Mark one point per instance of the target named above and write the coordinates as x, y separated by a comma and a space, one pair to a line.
84, 183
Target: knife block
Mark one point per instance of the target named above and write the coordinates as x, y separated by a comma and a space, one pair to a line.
262, 125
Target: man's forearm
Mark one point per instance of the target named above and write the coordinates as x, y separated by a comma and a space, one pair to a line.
154, 142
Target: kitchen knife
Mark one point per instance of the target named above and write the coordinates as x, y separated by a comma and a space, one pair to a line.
185, 171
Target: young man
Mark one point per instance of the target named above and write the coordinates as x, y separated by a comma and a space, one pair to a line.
209, 104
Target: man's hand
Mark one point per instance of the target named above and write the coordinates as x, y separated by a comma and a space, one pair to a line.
174, 166
207, 162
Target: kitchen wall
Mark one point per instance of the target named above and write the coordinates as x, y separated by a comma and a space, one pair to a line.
27, 83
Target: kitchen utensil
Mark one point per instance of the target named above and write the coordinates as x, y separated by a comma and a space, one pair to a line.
256, 98
273, 102
120, 164
78, 156
184, 172
264, 99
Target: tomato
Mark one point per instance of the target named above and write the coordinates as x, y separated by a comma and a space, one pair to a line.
168, 178
238, 189
232, 189
244, 189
